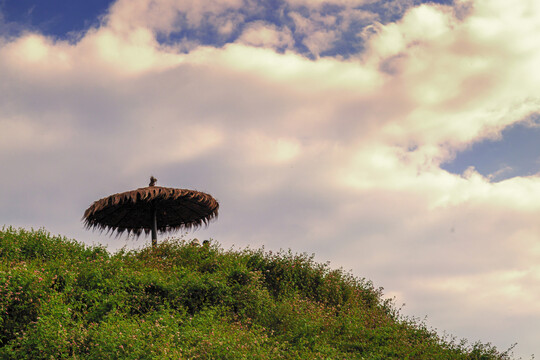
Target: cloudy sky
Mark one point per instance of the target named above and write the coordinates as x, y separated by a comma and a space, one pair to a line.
395, 138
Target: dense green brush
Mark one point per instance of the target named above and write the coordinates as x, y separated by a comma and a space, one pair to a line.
60, 299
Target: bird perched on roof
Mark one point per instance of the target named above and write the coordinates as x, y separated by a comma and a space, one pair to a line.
153, 181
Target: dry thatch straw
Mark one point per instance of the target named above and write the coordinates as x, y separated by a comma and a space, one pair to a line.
133, 211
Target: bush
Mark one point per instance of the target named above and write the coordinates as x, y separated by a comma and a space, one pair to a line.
61, 299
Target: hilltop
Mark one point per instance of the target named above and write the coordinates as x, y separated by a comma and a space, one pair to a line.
61, 299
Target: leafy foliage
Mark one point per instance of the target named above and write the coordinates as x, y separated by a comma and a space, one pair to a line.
60, 299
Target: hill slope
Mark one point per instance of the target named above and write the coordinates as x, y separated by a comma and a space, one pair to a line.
60, 299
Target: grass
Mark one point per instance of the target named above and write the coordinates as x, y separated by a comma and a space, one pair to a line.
60, 299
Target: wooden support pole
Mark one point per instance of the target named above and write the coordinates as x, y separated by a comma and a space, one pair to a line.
154, 229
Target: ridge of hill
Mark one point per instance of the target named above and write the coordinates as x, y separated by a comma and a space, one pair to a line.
61, 299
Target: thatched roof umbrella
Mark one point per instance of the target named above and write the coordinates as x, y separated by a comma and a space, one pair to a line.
150, 209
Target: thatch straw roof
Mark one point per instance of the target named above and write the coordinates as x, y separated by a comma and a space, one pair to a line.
132, 211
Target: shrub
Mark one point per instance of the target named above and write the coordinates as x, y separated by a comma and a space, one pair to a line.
60, 299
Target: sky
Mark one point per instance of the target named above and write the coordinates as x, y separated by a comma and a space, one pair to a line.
396, 139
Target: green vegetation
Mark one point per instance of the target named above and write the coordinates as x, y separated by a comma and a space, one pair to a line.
60, 299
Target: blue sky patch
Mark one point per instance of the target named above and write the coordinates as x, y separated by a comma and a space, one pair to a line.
57, 18
517, 153
63, 18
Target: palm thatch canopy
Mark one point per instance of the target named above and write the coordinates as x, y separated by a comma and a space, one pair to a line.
153, 207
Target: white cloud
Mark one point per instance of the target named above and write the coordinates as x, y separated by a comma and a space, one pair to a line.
338, 157
266, 35
169, 143
266, 151
165, 16
132, 54
319, 3
36, 54
353, 16
318, 31
290, 71
22, 135
461, 92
